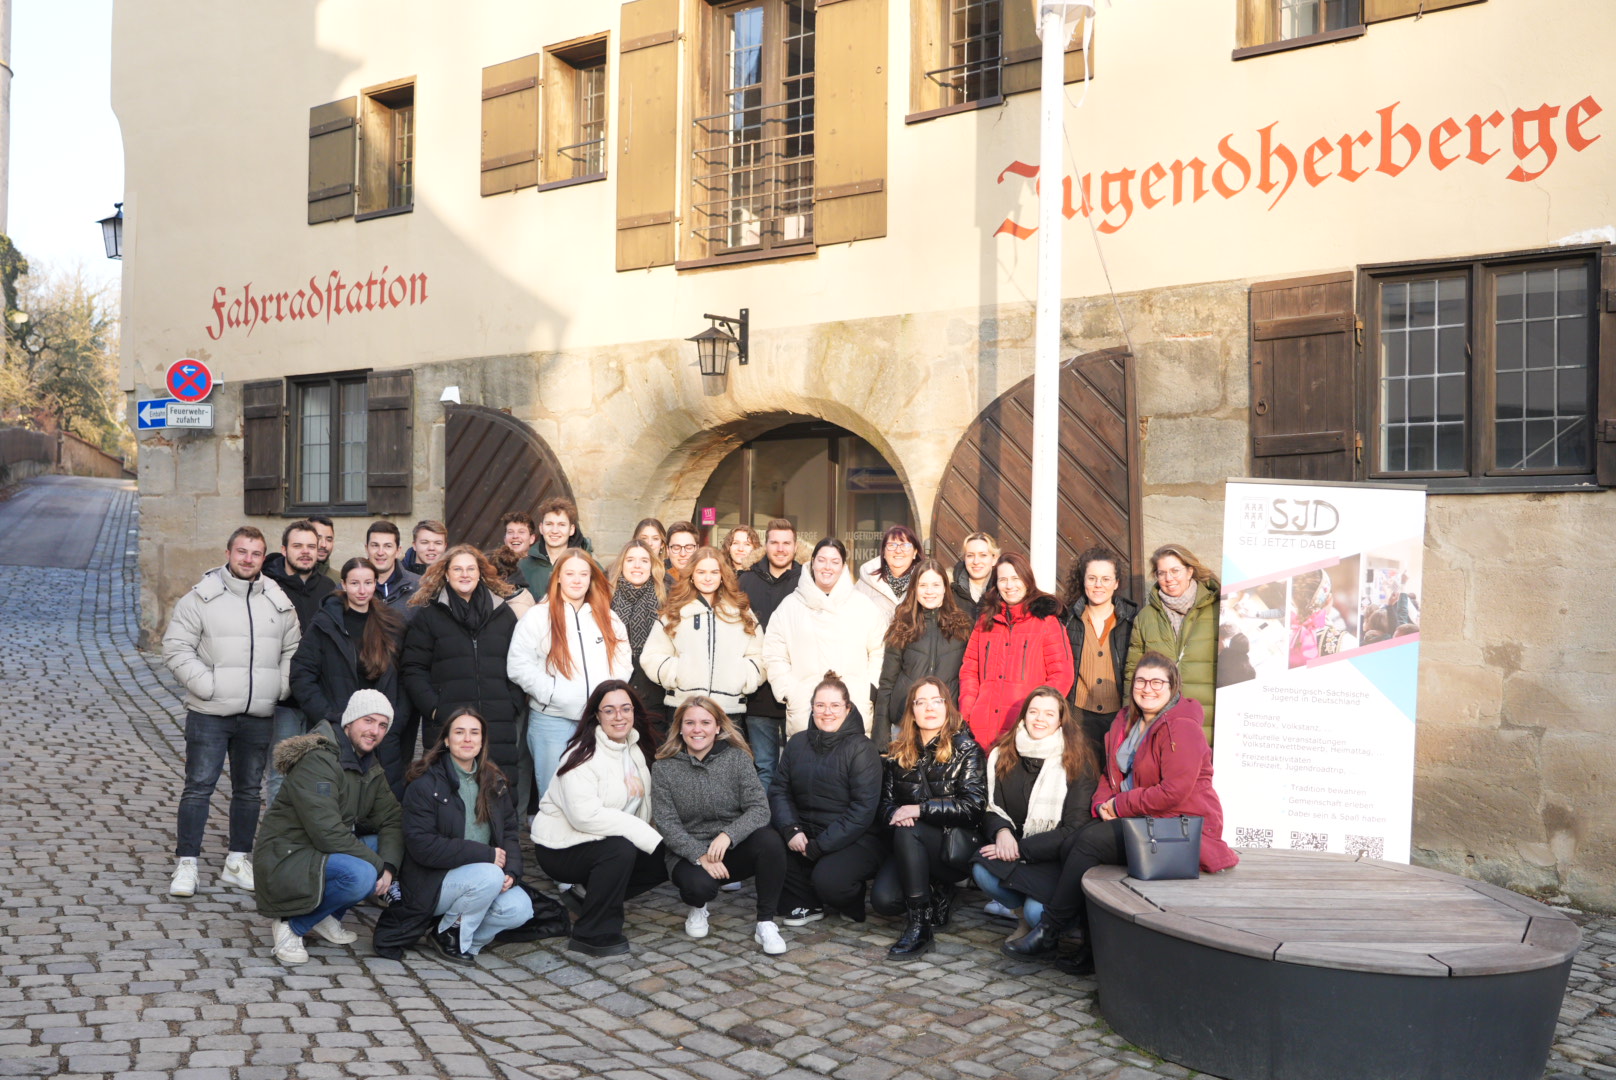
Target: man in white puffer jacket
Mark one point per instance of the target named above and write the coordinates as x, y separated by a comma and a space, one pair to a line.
827, 624
230, 642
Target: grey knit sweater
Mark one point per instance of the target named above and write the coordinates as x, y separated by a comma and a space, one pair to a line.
693, 801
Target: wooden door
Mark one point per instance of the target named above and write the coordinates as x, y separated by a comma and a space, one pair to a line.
495, 464
988, 483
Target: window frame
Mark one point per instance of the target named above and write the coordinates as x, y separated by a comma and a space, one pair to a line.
931, 45
564, 65
297, 506
1481, 473
377, 166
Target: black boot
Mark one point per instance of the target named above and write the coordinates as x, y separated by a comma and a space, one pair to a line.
916, 937
1041, 941
942, 903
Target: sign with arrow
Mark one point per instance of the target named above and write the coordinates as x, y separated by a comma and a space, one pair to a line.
189, 379
163, 413
152, 413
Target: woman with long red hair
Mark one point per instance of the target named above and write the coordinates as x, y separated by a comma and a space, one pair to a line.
566, 646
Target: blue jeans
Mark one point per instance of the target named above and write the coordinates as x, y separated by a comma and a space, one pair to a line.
208, 740
1031, 910
546, 740
348, 880
288, 723
767, 734
471, 894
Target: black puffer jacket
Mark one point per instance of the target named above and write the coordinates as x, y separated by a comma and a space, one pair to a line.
962, 593
1014, 791
304, 595
325, 674
446, 664
954, 792
828, 787
1077, 628
932, 654
766, 591
435, 843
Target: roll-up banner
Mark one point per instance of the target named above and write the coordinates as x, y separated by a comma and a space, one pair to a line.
1318, 666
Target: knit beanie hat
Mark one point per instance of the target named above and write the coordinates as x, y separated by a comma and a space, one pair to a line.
367, 703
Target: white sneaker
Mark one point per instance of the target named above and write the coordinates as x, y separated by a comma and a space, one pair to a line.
288, 946
332, 931
768, 935
184, 881
696, 922
998, 910
237, 871
732, 886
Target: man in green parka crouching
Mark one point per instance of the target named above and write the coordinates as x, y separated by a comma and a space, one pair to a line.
335, 835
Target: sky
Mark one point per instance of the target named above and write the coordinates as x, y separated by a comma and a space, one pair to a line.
66, 149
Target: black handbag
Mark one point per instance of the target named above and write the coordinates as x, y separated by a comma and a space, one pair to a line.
549, 919
960, 842
1162, 849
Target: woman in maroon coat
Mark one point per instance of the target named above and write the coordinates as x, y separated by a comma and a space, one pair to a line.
1157, 764
1019, 644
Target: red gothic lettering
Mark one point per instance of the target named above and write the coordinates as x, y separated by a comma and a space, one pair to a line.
1148, 180
1348, 173
1388, 142
1231, 156
1197, 168
1576, 116
1321, 148
1544, 142
1474, 124
1441, 135
1269, 153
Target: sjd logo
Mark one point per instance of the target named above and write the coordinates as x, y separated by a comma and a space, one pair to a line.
1302, 517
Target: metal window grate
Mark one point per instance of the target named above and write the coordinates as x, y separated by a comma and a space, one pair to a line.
1543, 329
975, 44
754, 159
588, 154
1423, 375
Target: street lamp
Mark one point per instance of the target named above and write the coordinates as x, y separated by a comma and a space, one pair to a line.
715, 347
112, 233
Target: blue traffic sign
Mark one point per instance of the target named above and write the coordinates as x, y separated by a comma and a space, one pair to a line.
189, 379
152, 413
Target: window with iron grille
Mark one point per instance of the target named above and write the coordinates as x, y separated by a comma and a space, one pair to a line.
387, 151
575, 111
328, 440
975, 47
1304, 18
753, 168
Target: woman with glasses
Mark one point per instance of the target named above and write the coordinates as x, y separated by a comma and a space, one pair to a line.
1158, 764
1019, 643
885, 579
1099, 624
1180, 621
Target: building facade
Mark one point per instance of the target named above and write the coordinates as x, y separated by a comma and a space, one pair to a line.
445, 259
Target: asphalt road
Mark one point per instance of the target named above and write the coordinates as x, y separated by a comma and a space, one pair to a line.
54, 520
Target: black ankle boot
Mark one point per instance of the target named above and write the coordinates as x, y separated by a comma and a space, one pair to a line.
1041, 941
942, 903
916, 937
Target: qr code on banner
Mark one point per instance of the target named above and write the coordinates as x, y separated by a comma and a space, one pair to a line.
1370, 847
1310, 841
1246, 836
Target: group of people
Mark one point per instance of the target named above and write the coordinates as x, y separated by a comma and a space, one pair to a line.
844, 737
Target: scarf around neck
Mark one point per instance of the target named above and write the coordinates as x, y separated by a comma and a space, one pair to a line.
1047, 800
1179, 606
472, 613
637, 606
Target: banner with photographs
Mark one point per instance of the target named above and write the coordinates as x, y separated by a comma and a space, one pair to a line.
1318, 664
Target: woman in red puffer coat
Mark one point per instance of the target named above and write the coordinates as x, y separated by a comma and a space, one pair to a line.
1019, 644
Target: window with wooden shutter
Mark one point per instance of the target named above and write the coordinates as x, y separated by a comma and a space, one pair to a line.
1303, 379
333, 151
1381, 10
263, 445
510, 154
390, 443
648, 133
575, 112
1265, 26
387, 149
1023, 52
850, 199
1605, 378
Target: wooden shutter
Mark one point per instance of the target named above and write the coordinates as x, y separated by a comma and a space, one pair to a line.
1303, 379
1605, 376
333, 145
647, 133
510, 125
1023, 52
1254, 23
1381, 10
850, 120
389, 441
263, 446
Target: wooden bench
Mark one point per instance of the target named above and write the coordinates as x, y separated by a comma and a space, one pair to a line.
1301, 965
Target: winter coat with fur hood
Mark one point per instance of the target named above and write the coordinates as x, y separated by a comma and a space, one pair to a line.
813, 632
1021, 648
231, 642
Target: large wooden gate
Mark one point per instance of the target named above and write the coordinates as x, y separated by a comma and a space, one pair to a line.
495, 464
988, 484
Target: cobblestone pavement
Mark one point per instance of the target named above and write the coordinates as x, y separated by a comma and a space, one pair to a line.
101, 973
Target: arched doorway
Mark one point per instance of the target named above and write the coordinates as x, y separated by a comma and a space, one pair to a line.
823, 478
494, 464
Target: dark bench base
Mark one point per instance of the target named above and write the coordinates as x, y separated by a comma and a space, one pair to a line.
1247, 1018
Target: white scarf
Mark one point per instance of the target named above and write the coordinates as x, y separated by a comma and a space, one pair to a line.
1048, 798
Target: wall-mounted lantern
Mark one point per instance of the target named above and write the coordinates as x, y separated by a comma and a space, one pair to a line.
715, 347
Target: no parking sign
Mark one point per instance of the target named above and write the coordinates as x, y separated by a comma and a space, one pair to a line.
189, 380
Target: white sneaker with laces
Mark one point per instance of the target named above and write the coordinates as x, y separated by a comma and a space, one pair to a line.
332, 931
184, 881
288, 946
696, 922
732, 886
768, 935
237, 871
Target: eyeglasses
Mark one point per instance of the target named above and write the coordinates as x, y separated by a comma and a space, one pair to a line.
898, 545
617, 710
1173, 573
1150, 684
828, 706
681, 547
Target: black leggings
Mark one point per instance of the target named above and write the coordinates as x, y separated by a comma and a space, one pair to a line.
611, 871
762, 854
1099, 843
834, 880
916, 863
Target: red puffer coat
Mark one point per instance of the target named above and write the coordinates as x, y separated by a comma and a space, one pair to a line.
1019, 650
1172, 775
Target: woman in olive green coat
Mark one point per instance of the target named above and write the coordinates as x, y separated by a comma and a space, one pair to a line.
1180, 620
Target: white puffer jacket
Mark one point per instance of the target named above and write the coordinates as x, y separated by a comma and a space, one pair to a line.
811, 633
528, 662
590, 802
231, 643
707, 654
873, 585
